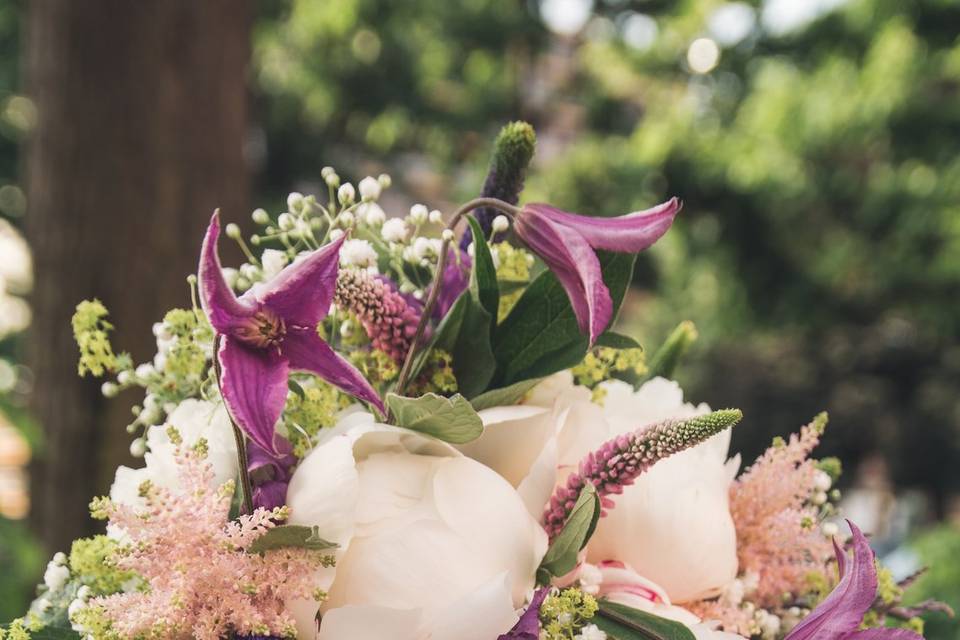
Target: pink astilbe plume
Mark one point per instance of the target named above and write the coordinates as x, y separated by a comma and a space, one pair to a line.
201, 581
778, 539
389, 321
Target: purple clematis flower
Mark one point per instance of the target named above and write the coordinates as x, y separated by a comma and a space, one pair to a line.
272, 330
840, 615
567, 243
528, 626
269, 474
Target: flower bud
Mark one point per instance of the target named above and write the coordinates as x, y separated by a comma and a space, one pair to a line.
346, 194
109, 389
501, 224
447, 234
295, 201
125, 377
138, 448
394, 230
336, 234
286, 222
369, 189
232, 231
384, 181
332, 180
419, 214
326, 171
830, 529
260, 216
436, 217
345, 219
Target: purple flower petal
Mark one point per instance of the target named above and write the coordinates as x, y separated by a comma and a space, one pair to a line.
839, 616
270, 474
456, 279
528, 626
575, 264
629, 233
306, 351
254, 387
885, 634
301, 294
220, 304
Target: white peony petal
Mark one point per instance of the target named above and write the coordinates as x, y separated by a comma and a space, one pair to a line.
512, 438
365, 622
483, 614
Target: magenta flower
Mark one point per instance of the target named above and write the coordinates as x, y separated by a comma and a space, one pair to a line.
840, 615
270, 331
567, 243
528, 626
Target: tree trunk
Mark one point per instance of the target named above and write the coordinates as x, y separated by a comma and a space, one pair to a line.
141, 120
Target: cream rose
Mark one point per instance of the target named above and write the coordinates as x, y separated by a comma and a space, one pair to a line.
432, 544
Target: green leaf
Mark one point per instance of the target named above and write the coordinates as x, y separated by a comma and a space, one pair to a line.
561, 557
448, 419
541, 335
294, 386
291, 535
483, 279
625, 623
503, 396
615, 340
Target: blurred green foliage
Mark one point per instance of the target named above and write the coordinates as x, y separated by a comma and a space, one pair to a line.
938, 550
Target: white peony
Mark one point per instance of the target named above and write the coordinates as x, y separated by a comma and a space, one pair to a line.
432, 544
193, 419
673, 525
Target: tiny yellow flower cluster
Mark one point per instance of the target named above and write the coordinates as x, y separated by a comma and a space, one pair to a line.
189, 330
309, 410
513, 268
90, 561
91, 331
437, 375
20, 629
601, 363
563, 614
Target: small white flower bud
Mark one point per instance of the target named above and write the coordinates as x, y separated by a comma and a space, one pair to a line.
436, 217
419, 214
326, 171
830, 529
286, 222
820, 497
369, 189
373, 215
138, 448
447, 235
470, 250
109, 389
230, 275
346, 194
242, 284
332, 180
394, 230
144, 371
345, 219
42, 604
260, 216
501, 224
407, 287
75, 606
335, 235
384, 181
56, 574
132, 427
60, 558
125, 377
84, 592
822, 481
232, 231
418, 294
295, 202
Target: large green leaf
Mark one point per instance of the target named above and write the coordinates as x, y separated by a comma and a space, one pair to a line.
504, 395
291, 535
541, 335
626, 623
561, 557
483, 278
448, 419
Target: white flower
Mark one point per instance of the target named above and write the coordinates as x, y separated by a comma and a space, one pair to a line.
501, 224
193, 419
419, 214
590, 632
346, 194
432, 544
394, 230
673, 525
357, 253
273, 261
371, 214
369, 188
295, 201
55, 576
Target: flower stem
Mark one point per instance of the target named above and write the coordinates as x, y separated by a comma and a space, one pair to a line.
246, 489
431, 302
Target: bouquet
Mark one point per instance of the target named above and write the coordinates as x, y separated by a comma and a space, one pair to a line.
424, 427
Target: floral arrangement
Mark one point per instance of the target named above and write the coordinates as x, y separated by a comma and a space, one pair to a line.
373, 429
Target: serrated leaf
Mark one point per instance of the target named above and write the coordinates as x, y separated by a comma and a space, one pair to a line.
503, 396
291, 536
541, 335
561, 557
626, 623
449, 419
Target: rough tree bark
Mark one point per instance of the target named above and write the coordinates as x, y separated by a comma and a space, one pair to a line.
141, 120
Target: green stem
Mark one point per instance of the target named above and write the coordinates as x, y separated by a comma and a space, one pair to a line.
431, 302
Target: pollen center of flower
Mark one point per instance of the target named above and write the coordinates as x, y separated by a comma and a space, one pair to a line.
264, 329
